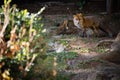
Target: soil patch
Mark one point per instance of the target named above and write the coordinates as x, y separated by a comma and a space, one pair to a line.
57, 12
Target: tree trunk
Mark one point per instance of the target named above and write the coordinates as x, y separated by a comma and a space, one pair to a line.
114, 55
109, 6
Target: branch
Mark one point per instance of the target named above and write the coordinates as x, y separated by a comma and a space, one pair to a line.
30, 63
6, 20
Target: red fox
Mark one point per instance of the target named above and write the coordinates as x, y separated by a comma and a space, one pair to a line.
89, 22
67, 27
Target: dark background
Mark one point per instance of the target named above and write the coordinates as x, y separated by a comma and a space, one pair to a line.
115, 7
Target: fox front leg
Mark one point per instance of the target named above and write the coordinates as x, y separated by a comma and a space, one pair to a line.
84, 33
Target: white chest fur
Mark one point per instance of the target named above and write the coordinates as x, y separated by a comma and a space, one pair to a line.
76, 23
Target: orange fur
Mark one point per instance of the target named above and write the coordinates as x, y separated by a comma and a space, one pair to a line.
87, 22
67, 27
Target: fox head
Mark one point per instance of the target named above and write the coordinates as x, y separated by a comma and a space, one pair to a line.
78, 20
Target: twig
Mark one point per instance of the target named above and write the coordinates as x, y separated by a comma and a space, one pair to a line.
6, 21
30, 63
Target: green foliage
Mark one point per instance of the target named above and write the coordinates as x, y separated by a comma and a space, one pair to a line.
62, 76
44, 66
21, 18
102, 49
64, 43
84, 50
21, 40
62, 56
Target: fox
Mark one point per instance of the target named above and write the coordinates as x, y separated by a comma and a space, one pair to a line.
89, 22
67, 27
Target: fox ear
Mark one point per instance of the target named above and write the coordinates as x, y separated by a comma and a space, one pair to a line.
80, 14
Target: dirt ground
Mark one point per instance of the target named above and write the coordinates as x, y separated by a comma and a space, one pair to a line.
85, 47
57, 12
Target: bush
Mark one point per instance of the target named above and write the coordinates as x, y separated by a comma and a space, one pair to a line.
21, 41
51, 66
